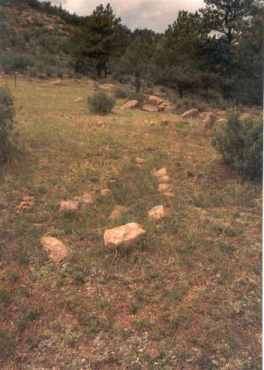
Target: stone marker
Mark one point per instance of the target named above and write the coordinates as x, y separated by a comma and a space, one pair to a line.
140, 160
124, 235
161, 172
56, 250
164, 179
157, 213
105, 192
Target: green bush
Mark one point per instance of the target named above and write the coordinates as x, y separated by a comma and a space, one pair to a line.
121, 93
14, 62
7, 123
241, 144
101, 103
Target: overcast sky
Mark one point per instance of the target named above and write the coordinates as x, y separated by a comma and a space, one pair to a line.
154, 14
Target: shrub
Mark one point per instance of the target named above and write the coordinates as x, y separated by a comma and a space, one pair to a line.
101, 103
121, 93
11, 62
6, 124
240, 142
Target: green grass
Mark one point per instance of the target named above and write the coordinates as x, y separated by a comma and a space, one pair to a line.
176, 284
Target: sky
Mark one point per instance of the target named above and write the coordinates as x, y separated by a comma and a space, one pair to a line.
154, 14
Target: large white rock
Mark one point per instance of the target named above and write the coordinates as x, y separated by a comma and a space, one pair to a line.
163, 188
124, 235
55, 248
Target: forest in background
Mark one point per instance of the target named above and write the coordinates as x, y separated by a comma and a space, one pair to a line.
215, 53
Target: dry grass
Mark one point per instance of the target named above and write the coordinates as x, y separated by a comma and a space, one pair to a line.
187, 297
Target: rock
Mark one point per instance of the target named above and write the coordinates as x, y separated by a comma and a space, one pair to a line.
105, 192
164, 179
78, 100
164, 106
26, 203
161, 172
131, 104
157, 213
140, 160
169, 194
124, 235
87, 198
69, 205
56, 82
164, 188
150, 108
155, 100
209, 121
56, 250
107, 87
118, 212
192, 113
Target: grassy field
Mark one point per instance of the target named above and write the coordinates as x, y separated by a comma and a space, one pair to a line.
185, 298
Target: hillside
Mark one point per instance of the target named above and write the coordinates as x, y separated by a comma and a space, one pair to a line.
35, 38
187, 296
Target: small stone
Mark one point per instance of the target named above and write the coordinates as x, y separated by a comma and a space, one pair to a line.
164, 188
124, 235
118, 212
78, 100
164, 179
131, 104
140, 160
169, 194
157, 213
150, 108
55, 248
105, 192
161, 172
87, 198
69, 205
192, 113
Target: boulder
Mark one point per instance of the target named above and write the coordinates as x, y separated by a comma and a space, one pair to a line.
131, 104
192, 113
164, 179
69, 205
140, 161
55, 248
117, 212
157, 213
122, 236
